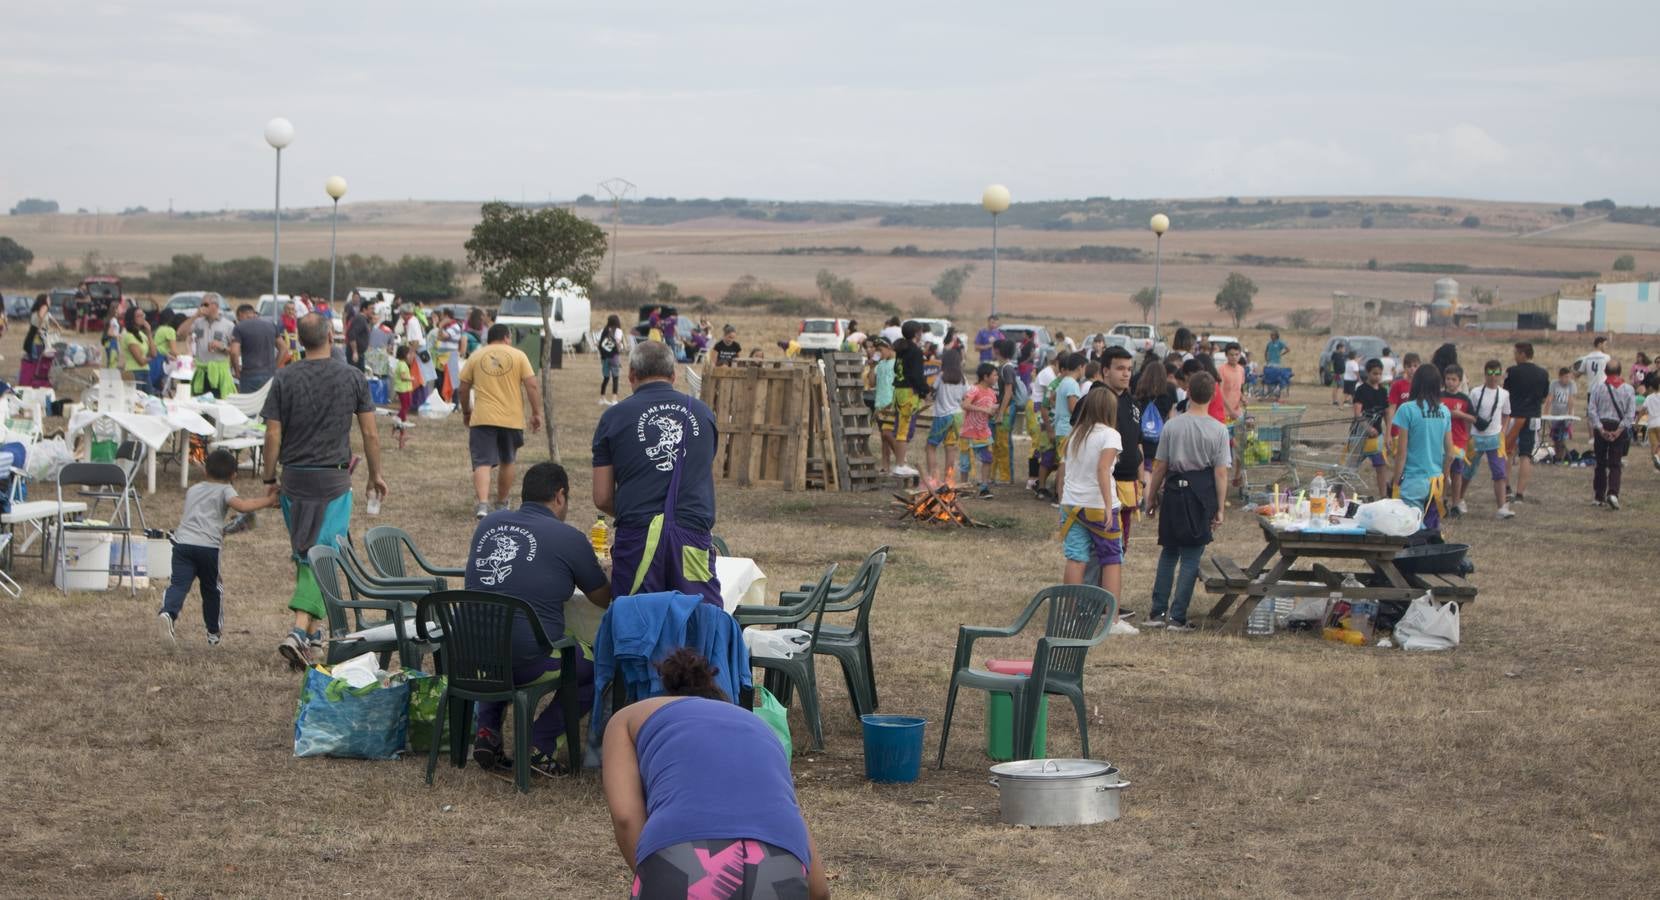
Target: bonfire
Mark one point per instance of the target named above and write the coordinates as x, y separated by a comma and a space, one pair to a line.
938, 504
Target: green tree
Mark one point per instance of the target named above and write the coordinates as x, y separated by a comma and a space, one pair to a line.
1625, 263
1236, 297
948, 288
837, 291
14, 260
1372, 264
1145, 299
1471, 222
34, 206
1301, 319
524, 251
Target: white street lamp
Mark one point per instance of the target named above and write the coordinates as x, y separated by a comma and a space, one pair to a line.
995, 200
279, 133
336, 188
1160, 223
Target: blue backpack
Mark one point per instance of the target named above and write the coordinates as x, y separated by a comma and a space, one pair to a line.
1152, 424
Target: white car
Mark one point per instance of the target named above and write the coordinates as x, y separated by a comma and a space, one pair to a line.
822, 334
936, 330
1144, 337
572, 314
187, 302
1219, 353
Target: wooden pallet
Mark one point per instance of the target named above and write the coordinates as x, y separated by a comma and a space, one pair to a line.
851, 424
774, 425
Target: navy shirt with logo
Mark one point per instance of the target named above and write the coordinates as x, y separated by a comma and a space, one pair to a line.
529, 554
641, 438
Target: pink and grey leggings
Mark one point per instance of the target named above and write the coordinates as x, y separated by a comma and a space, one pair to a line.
722, 869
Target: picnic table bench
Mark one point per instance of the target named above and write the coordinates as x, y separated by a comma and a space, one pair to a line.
1249, 585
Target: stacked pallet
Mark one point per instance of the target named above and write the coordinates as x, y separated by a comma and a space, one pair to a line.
851, 423
770, 415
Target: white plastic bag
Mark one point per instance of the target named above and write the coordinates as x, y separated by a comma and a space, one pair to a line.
1428, 625
46, 458
1396, 518
781, 643
435, 408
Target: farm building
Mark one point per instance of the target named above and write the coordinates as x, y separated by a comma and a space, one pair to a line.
1355, 314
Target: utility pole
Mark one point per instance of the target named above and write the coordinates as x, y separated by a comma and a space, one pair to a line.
618, 188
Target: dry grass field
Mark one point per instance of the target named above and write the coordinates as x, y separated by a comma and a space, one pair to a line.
1517, 765
705, 256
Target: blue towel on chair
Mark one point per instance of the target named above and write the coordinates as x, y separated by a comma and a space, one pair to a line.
639, 630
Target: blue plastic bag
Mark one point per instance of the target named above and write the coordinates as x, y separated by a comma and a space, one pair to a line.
334, 719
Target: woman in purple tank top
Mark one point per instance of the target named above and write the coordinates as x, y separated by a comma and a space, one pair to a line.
701, 796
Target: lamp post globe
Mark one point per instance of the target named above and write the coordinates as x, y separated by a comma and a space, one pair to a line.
336, 188
279, 132
1160, 223
995, 199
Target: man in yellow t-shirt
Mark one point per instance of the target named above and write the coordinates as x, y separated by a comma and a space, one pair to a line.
495, 383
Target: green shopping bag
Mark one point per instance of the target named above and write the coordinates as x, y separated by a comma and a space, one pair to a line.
776, 716
425, 718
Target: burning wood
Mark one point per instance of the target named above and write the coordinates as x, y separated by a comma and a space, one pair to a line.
938, 505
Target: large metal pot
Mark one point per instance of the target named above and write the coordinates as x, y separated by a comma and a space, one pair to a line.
1057, 791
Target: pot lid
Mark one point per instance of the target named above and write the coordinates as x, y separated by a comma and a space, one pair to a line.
1051, 769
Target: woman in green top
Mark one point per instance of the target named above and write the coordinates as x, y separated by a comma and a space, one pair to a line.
161, 343
136, 349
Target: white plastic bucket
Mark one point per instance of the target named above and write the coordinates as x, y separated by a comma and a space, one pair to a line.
160, 553
86, 562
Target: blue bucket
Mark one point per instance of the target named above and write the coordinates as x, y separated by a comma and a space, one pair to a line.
893, 747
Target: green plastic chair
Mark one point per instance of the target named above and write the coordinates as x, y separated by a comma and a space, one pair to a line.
344, 609
719, 545
850, 644
385, 546
1079, 618
798, 672
359, 570
474, 634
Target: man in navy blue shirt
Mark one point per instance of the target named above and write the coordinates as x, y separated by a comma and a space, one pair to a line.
531, 554
654, 456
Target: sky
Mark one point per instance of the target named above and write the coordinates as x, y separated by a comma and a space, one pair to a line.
109, 105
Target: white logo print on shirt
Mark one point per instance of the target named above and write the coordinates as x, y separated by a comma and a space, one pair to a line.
671, 431
504, 543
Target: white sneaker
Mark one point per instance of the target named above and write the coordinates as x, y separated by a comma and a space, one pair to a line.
905, 471
164, 628
1613, 501
1119, 626
604, 402
1462, 507
1505, 512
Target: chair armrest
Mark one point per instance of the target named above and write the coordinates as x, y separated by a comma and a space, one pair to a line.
760, 614
975, 632
405, 582
435, 569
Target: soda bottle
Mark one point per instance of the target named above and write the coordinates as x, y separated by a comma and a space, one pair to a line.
600, 537
1317, 496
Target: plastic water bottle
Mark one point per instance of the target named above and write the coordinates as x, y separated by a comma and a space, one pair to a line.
1261, 621
1317, 490
372, 505
600, 537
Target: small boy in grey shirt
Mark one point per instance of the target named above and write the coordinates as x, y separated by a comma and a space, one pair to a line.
196, 544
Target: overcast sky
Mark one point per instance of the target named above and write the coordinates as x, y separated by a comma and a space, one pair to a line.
118, 104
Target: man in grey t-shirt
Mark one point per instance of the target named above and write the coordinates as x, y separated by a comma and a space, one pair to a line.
257, 349
309, 412
211, 334
1187, 492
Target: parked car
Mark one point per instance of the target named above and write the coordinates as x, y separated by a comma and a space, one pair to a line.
105, 294
822, 334
1143, 337
1113, 340
187, 302
1365, 347
17, 306
1218, 353
937, 328
572, 316
59, 301
1017, 332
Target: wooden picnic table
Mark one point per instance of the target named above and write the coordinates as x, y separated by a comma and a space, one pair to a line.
1272, 574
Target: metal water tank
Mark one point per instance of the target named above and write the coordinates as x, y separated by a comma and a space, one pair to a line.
1446, 291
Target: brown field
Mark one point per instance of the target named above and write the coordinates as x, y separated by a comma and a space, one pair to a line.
706, 256
1516, 765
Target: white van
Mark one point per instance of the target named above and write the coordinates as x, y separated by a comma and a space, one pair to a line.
572, 315
934, 330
